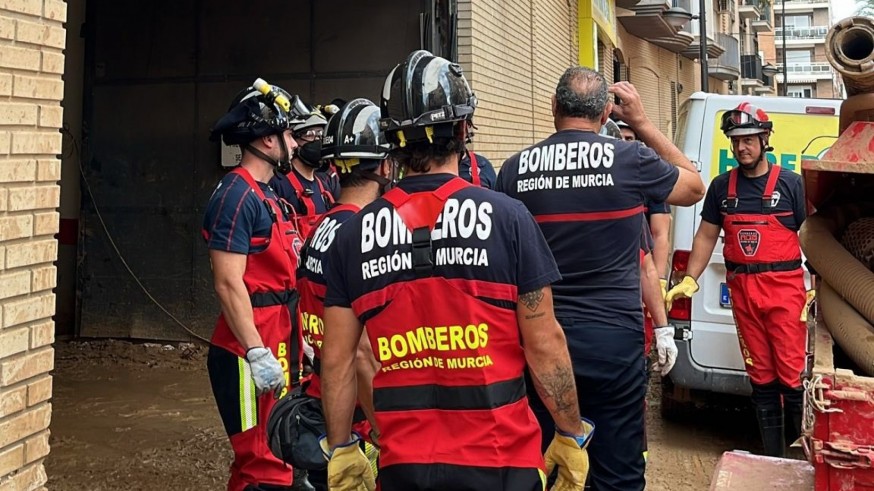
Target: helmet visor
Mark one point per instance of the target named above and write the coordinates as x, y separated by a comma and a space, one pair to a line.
740, 120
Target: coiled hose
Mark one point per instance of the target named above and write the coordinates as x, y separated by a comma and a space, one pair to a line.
846, 278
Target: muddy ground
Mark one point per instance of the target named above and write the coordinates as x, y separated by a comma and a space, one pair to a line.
141, 417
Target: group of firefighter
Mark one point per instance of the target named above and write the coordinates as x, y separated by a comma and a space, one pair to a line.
481, 339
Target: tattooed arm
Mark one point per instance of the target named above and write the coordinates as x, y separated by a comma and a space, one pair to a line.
548, 359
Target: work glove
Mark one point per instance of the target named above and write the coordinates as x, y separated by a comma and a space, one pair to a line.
664, 283
266, 371
667, 349
571, 458
811, 294
348, 467
685, 288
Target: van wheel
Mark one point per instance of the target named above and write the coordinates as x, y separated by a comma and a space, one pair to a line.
677, 403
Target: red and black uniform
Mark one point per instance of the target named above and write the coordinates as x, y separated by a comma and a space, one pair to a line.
434, 270
244, 217
761, 217
309, 199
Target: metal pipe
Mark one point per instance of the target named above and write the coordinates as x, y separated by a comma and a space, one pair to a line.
783, 32
702, 44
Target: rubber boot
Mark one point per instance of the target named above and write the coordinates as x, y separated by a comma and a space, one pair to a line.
771, 428
793, 400
301, 483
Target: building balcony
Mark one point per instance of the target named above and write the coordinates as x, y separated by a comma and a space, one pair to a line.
627, 4
726, 7
726, 66
804, 5
767, 87
807, 35
807, 72
751, 71
648, 22
763, 24
750, 9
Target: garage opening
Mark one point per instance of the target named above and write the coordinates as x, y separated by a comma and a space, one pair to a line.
155, 76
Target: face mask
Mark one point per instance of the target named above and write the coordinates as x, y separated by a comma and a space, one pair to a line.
310, 153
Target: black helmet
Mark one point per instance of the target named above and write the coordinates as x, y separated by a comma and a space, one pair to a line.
253, 114
353, 134
421, 95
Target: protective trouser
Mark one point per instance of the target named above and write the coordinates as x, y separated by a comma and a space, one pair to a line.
611, 388
244, 416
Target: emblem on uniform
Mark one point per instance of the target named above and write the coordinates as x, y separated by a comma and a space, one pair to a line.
775, 198
749, 241
296, 246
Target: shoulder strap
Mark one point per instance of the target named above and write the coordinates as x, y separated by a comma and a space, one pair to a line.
770, 186
302, 196
272, 205
326, 196
474, 169
731, 199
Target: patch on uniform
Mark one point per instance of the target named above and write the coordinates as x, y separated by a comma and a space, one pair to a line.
749, 241
297, 245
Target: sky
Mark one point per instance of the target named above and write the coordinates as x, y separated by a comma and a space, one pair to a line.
842, 9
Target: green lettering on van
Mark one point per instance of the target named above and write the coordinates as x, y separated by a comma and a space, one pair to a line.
726, 163
787, 161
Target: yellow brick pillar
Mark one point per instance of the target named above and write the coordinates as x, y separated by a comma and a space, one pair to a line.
597, 25
32, 39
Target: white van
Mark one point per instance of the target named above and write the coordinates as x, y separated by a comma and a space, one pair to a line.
709, 356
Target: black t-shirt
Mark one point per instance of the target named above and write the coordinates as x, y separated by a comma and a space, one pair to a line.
788, 194
284, 189
494, 240
656, 208
314, 254
236, 220
597, 187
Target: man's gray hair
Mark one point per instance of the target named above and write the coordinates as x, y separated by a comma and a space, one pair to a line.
581, 93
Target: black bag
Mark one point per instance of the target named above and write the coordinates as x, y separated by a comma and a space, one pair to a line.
293, 430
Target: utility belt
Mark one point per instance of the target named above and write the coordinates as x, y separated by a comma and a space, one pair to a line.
756, 268
289, 298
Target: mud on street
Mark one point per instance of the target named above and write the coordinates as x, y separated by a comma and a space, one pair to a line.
141, 417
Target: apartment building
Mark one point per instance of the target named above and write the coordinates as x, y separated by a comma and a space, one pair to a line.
805, 25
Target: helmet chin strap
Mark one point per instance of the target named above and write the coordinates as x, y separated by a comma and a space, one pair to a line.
283, 165
385, 185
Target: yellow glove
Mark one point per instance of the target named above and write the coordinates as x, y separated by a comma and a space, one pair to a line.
811, 294
685, 288
571, 458
664, 284
348, 467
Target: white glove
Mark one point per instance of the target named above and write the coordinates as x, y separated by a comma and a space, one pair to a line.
667, 349
266, 371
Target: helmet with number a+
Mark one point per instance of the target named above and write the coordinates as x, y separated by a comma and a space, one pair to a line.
353, 137
423, 98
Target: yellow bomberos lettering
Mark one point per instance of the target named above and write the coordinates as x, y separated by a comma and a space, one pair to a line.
439, 338
281, 351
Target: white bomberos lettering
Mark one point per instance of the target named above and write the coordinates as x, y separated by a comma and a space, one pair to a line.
567, 156
459, 219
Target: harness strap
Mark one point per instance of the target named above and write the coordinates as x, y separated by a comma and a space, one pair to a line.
305, 195
272, 207
474, 169
731, 199
419, 212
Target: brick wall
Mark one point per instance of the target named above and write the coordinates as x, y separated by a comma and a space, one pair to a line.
513, 53
32, 38
652, 70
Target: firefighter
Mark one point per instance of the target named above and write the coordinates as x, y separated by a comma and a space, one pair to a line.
473, 167
760, 206
252, 244
308, 190
658, 220
453, 282
587, 193
356, 146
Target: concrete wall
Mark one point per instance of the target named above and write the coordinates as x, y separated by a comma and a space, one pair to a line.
32, 38
513, 53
